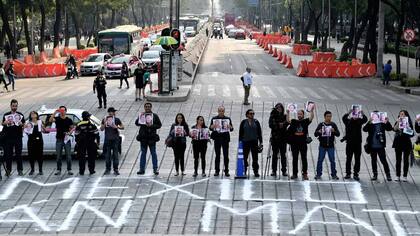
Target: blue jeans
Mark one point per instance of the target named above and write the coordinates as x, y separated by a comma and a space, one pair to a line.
59, 150
111, 146
152, 147
321, 156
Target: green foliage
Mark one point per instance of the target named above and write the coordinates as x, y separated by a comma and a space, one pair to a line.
91, 45
345, 56
390, 48
410, 82
398, 77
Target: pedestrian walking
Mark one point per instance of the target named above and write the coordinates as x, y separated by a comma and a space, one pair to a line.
207, 32
64, 126
87, 140
2, 77
34, 129
148, 123
124, 75
199, 134
326, 133
111, 125
418, 56
353, 137
99, 84
278, 125
179, 132
221, 126
138, 81
13, 131
403, 128
376, 143
247, 82
387, 72
250, 135
146, 81
10, 73
299, 140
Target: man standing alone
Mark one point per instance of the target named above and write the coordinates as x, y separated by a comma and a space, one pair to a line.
247, 82
99, 84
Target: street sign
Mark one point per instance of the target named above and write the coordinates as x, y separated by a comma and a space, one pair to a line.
409, 35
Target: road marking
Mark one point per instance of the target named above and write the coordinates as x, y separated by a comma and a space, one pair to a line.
283, 92
298, 92
226, 91
312, 93
211, 91
405, 97
269, 92
197, 89
360, 93
254, 92
240, 90
56, 93
329, 94
16, 93
266, 67
342, 94
382, 94
43, 93
78, 91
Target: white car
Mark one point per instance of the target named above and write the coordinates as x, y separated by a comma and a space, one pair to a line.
189, 31
156, 48
232, 33
49, 138
150, 59
146, 43
94, 63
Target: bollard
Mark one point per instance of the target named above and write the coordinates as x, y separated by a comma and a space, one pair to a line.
240, 164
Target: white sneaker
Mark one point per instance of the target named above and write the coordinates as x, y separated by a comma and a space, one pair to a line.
405, 179
398, 179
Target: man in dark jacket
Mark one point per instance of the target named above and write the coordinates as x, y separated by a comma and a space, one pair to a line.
86, 135
376, 143
251, 137
278, 125
221, 137
148, 137
99, 84
353, 138
326, 133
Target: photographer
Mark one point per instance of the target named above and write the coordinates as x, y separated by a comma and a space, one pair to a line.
376, 143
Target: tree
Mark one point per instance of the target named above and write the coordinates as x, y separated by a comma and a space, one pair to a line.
57, 24
6, 27
23, 5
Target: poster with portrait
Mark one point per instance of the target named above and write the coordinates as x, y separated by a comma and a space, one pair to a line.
146, 118
195, 134
326, 131
225, 126
10, 120
205, 134
292, 109
309, 106
356, 111
17, 119
217, 125
418, 118
28, 128
383, 116
109, 121
374, 116
403, 122
179, 131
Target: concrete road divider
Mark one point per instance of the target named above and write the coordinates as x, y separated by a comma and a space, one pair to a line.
335, 70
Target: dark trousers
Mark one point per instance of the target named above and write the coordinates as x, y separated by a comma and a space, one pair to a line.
35, 152
279, 147
91, 150
301, 148
102, 97
2, 80
356, 150
387, 78
382, 157
400, 154
417, 62
199, 151
179, 151
221, 144
125, 79
13, 145
111, 154
251, 146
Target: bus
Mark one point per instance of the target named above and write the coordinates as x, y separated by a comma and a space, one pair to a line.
124, 39
190, 22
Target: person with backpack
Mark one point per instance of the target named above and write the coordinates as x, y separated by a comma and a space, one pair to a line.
179, 132
278, 125
199, 134
326, 133
403, 128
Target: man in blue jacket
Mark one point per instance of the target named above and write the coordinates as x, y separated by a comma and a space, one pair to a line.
387, 72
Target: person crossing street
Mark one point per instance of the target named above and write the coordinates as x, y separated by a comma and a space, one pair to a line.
99, 84
87, 140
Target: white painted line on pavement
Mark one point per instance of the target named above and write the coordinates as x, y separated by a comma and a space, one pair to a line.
266, 67
16, 93
211, 91
329, 94
385, 95
240, 90
269, 92
283, 92
78, 91
43, 93
312, 93
342, 94
197, 89
226, 91
254, 92
298, 92
360, 93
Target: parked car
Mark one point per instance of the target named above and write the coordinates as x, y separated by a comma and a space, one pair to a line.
49, 138
240, 34
94, 63
156, 48
190, 31
151, 60
113, 67
232, 33
147, 43
154, 37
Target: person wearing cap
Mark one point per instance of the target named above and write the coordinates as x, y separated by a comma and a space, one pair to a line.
64, 126
99, 84
278, 125
87, 141
247, 82
111, 125
2, 77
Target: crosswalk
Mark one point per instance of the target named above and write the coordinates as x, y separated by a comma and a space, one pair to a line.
290, 93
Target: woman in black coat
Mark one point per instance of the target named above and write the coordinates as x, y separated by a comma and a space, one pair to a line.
179, 132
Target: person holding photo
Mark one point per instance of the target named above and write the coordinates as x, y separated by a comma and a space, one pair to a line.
402, 144
199, 146
326, 133
250, 135
180, 141
148, 138
221, 141
13, 131
278, 125
64, 125
35, 142
376, 143
353, 138
111, 125
298, 139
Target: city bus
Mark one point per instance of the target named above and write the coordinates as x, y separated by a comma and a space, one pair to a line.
190, 22
124, 39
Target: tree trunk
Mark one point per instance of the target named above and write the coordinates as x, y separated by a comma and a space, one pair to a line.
76, 23
66, 30
315, 43
398, 36
5, 18
348, 45
308, 26
370, 47
22, 6
133, 10
57, 23
112, 23
42, 29
359, 35
381, 36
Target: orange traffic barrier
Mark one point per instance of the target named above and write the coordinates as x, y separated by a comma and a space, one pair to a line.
301, 49
83, 53
66, 51
280, 55
289, 64
43, 57
275, 52
56, 53
319, 71
363, 70
28, 59
323, 56
266, 46
284, 59
270, 51
302, 68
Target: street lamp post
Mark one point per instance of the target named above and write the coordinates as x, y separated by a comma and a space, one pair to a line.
355, 23
329, 23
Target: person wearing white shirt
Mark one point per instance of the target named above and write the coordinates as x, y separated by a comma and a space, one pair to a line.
247, 82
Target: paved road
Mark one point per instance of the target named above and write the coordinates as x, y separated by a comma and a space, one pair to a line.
167, 204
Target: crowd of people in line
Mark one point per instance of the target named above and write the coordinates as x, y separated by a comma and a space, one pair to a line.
287, 128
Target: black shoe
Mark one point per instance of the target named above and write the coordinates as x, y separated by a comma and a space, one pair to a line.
257, 175
156, 172
107, 172
69, 172
141, 172
7, 174
58, 172
285, 174
227, 174
388, 178
293, 177
348, 176
116, 172
81, 173
274, 174
20, 173
195, 174
40, 173
374, 178
317, 177
216, 174
203, 175
335, 177
105, 106
355, 177
92, 172
177, 173
31, 173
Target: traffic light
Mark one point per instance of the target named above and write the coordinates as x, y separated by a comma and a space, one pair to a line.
176, 34
166, 32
